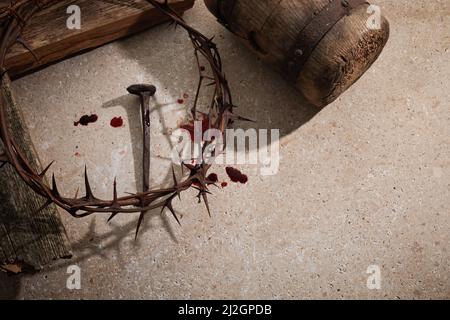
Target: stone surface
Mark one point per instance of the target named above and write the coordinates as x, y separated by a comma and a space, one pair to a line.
365, 181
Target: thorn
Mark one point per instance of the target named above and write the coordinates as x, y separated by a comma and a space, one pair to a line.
229, 116
54, 187
115, 192
205, 199
112, 216
141, 219
202, 190
2, 73
239, 118
45, 205
176, 182
210, 43
189, 166
3, 160
182, 167
72, 212
42, 174
27, 46
174, 177
169, 206
115, 203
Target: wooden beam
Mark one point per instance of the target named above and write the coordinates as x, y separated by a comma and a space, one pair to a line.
102, 21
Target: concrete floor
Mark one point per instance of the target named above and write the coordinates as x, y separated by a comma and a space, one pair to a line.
366, 181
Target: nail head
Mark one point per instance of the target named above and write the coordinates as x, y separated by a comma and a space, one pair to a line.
139, 89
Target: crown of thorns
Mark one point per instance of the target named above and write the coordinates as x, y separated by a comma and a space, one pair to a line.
13, 19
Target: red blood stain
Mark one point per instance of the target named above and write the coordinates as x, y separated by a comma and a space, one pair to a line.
180, 101
224, 184
85, 120
117, 122
236, 175
77, 154
191, 127
186, 96
213, 178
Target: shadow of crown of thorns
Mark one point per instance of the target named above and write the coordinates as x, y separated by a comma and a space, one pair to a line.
13, 18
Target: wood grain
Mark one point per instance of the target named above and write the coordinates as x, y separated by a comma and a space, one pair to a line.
102, 21
27, 239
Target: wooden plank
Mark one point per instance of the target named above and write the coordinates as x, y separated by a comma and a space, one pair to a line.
28, 239
345, 50
102, 21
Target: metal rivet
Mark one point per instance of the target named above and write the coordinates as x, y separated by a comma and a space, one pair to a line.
299, 52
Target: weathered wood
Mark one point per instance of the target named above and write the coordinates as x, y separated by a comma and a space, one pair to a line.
102, 21
271, 29
27, 238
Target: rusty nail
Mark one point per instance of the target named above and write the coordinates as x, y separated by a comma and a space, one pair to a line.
145, 91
